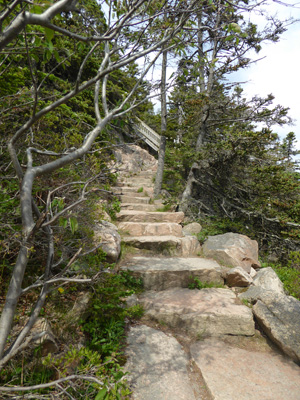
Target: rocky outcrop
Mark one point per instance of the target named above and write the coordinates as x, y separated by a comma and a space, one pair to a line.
279, 317
232, 249
106, 234
132, 158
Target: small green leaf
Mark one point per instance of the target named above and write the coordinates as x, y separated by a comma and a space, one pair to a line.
56, 55
49, 33
73, 224
102, 394
50, 47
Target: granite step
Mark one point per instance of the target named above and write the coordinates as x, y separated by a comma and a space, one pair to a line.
127, 189
150, 228
157, 366
165, 245
165, 273
133, 199
140, 182
139, 207
148, 216
199, 313
246, 371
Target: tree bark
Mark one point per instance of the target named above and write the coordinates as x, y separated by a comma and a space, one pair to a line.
162, 147
160, 166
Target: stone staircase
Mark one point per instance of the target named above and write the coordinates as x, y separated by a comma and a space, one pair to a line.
190, 344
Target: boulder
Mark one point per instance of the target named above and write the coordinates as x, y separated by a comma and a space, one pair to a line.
255, 293
157, 366
199, 313
238, 277
233, 249
106, 234
279, 317
192, 229
267, 279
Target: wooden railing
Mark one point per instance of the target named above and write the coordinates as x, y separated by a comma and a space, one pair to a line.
147, 134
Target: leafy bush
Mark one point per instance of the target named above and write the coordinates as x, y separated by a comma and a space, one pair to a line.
108, 314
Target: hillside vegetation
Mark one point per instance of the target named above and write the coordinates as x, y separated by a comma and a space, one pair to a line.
73, 76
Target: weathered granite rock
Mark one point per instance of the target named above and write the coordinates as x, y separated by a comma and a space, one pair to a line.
80, 308
150, 228
166, 273
166, 245
143, 216
279, 317
232, 373
206, 312
138, 207
254, 293
238, 277
107, 234
267, 279
253, 272
47, 341
232, 249
192, 229
132, 158
134, 199
157, 366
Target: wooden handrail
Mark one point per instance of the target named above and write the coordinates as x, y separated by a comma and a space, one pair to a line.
147, 134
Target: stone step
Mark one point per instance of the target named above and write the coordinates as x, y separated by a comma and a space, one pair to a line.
247, 373
140, 182
150, 228
139, 207
165, 273
166, 245
127, 189
199, 313
144, 216
157, 366
133, 199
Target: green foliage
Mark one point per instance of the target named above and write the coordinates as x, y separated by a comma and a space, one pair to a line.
106, 323
113, 207
165, 208
140, 190
197, 284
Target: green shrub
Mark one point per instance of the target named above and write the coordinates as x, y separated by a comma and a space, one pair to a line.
108, 314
